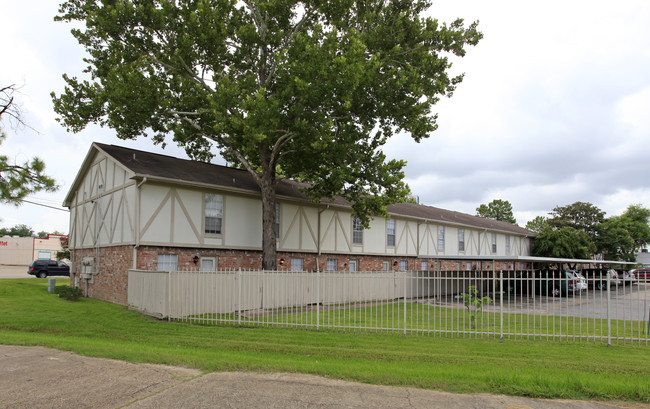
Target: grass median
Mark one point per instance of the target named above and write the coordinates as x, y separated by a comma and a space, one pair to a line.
31, 316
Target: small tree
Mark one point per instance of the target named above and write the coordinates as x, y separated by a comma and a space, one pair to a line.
474, 303
17, 180
497, 210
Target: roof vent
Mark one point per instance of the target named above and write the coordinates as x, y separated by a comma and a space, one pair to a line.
134, 156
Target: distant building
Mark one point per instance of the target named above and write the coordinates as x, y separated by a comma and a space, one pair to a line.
21, 251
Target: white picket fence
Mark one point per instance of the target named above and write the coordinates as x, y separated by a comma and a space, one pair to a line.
408, 302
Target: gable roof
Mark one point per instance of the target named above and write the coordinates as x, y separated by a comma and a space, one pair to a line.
168, 169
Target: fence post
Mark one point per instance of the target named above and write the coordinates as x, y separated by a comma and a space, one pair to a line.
169, 296
404, 303
239, 298
317, 299
501, 302
609, 321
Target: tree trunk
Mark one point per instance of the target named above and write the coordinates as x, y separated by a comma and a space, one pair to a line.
269, 249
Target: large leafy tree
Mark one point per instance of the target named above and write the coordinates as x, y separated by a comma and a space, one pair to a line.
498, 210
18, 179
566, 242
310, 88
579, 215
619, 237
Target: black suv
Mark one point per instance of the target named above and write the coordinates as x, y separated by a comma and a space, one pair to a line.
44, 268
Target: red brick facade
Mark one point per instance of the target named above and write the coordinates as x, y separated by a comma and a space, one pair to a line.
113, 263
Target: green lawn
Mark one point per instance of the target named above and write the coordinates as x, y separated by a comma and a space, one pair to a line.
569, 370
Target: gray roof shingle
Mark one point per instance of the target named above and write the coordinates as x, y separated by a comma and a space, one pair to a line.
184, 171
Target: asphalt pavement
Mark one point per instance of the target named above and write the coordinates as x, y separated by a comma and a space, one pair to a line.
36, 377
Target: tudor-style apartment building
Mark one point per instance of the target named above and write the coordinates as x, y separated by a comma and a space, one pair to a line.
135, 210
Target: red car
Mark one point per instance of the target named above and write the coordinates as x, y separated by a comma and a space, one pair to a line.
641, 274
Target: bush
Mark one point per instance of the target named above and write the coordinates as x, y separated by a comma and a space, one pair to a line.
69, 293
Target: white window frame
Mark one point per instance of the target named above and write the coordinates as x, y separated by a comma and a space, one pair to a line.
494, 243
507, 244
332, 264
461, 239
390, 232
441, 238
386, 265
424, 266
403, 265
353, 265
297, 264
214, 261
357, 231
167, 262
214, 212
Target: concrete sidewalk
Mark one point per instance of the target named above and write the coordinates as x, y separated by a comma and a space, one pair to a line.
35, 377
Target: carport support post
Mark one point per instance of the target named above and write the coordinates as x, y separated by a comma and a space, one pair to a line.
404, 304
609, 320
501, 301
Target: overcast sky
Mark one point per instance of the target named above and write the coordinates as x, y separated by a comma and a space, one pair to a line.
554, 109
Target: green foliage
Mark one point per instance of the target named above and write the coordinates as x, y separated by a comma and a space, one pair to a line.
579, 215
619, 237
472, 300
497, 210
20, 230
537, 224
313, 89
566, 242
18, 180
69, 293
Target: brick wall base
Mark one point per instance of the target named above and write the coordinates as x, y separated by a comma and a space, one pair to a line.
112, 265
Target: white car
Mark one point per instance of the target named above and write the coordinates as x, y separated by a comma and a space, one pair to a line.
580, 280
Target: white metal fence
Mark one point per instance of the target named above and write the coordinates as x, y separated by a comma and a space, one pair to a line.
501, 305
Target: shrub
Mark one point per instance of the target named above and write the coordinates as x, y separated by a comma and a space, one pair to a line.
69, 293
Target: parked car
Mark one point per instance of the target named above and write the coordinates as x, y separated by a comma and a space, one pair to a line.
597, 278
557, 283
581, 281
44, 268
551, 282
641, 274
629, 278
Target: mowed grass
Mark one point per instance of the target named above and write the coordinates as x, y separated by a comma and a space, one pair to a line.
31, 316
412, 317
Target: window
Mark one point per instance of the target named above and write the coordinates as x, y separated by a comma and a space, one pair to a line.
390, 232
424, 266
208, 264
508, 244
213, 213
461, 239
277, 220
354, 265
332, 264
386, 265
494, 242
403, 265
167, 262
469, 266
297, 264
441, 237
357, 231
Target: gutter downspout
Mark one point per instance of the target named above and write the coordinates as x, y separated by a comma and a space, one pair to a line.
137, 222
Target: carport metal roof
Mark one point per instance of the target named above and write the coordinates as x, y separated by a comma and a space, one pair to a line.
530, 259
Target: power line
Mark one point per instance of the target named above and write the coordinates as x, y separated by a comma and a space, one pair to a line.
51, 207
